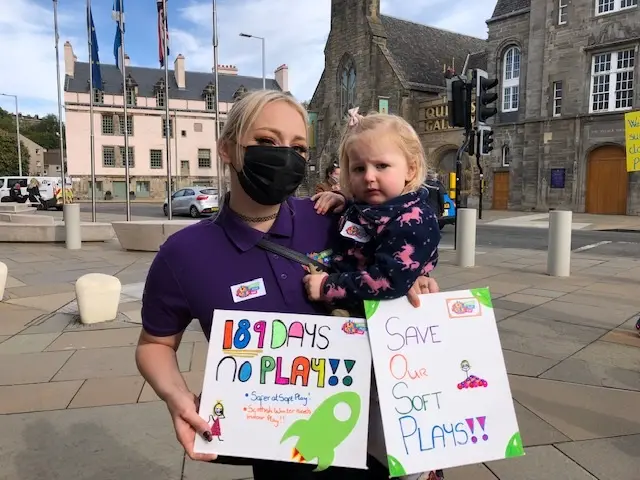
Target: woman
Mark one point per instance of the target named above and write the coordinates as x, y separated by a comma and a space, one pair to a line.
264, 143
331, 179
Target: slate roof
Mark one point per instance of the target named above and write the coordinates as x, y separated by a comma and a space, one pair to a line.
147, 78
503, 7
422, 51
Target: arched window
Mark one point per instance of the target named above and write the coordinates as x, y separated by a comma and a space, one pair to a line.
511, 79
347, 80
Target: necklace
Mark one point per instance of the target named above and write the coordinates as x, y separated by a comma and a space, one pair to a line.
256, 219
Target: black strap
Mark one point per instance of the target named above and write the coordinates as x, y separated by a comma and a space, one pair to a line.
290, 254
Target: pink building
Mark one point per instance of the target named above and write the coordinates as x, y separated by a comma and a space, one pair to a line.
192, 123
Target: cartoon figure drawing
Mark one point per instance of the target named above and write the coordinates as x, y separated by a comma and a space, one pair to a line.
471, 381
218, 413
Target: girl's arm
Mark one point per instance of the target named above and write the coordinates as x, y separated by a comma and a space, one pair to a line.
405, 252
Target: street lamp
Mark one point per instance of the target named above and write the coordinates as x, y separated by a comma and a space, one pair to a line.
17, 132
264, 78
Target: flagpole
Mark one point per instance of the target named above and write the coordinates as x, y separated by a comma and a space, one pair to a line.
60, 132
91, 128
123, 68
219, 163
166, 104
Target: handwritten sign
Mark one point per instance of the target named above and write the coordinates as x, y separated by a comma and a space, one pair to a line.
632, 140
442, 382
287, 387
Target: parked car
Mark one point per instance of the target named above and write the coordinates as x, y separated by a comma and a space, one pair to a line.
194, 201
449, 215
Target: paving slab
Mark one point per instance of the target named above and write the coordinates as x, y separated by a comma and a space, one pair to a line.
606, 316
609, 458
117, 337
32, 367
580, 412
34, 397
205, 471
603, 364
15, 318
525, 364
534, 430
99, 392
623, 337
47, 303
27, 343
540, 463
103, 443
50, 323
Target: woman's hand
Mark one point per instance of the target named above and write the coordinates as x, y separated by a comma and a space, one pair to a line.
422, 285
183, 408
328, 201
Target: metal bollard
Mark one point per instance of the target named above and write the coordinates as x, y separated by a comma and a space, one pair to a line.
72, 230
466, 241
559, 250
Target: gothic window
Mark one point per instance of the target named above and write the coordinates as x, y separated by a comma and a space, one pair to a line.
131, 92
511, 79
160, 94
209, 98
240, 92
347, 81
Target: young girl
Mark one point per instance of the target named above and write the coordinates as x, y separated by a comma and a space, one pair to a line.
388, 233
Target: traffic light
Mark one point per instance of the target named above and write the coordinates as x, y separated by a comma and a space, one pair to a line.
485, 139
484, 98
459, 104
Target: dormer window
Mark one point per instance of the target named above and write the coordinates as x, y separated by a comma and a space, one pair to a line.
131, 92
98, 96
160, 94
209, 95
240, 92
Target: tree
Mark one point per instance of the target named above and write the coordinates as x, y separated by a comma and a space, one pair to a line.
9, 156
45, 132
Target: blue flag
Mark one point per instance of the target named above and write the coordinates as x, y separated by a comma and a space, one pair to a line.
118, 16
94, 59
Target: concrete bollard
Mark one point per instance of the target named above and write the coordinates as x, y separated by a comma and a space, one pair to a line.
559, 250
4, 274
466, 241
73, 233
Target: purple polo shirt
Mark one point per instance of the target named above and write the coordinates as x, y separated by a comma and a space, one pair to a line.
217, 265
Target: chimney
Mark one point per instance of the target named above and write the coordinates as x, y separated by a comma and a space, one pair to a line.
228, 69
127, 60
178, 72
69, 59
282, 77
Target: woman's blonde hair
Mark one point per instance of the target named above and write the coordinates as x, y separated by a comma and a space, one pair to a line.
405, 136
243, 115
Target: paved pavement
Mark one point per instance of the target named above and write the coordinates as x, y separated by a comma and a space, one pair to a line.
73, 406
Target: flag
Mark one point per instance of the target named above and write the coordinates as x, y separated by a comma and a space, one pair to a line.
93, 52
118, 15
163, 26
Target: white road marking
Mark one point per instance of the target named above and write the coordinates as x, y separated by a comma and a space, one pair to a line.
591, 245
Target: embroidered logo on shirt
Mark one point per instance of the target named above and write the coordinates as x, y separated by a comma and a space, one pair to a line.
355, 232
248, 290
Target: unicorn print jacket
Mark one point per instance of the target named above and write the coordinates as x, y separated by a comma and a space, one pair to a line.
382, 250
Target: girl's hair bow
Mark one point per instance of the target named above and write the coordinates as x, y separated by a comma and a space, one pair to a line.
354, 116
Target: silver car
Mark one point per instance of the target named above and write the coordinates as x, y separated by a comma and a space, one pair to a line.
193, 201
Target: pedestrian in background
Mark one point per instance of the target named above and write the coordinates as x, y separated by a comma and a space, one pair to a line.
331, 182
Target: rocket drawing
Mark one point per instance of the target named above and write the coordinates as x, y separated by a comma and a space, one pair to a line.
320, 434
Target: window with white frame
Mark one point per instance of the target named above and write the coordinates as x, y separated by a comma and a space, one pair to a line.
557, 99
511, 79
612, 81
608, 6
563, 6
505, 155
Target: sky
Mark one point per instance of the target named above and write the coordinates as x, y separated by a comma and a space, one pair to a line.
295, 33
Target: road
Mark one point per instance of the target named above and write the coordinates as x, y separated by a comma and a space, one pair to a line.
623, 244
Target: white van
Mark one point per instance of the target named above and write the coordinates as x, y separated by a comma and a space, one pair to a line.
47, 185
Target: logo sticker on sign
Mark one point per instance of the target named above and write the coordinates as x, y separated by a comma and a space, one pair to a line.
355, 232
248, 290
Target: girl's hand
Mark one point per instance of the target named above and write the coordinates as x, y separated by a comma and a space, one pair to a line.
183, 408
328, 201
313, 284
422, 285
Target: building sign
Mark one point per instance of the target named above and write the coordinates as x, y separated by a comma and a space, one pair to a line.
632, 140
383, 105
437, 116
558, 177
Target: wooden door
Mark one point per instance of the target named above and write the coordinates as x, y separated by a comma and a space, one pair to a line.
501, 190
607, 181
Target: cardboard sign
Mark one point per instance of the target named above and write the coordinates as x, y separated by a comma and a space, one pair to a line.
442, 382
287, 387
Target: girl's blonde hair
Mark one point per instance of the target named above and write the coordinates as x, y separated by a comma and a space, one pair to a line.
243, 115
404, 134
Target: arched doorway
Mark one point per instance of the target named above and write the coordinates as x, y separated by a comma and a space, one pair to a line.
607, 181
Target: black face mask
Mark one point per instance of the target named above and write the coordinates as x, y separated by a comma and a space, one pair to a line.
271, 174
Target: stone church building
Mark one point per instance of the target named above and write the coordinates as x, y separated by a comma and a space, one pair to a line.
381, 63
567, 74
